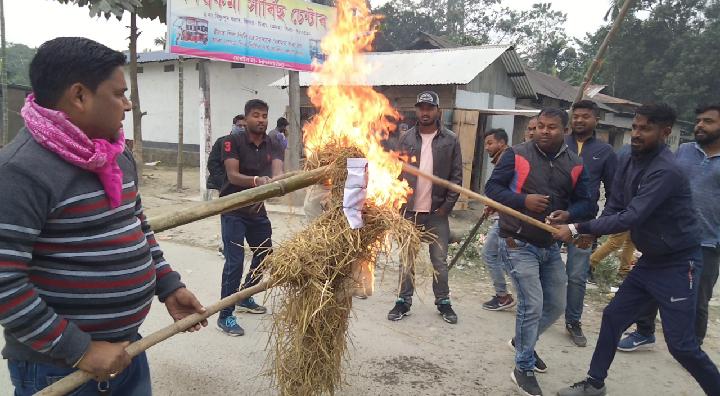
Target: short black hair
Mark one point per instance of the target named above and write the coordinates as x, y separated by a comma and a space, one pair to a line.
555, 112
282, 122
658, 113
498, 134
707, 107
255, 104
587, 104
238, 118
64, 61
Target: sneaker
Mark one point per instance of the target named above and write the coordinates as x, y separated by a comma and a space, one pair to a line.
591, 278
400, 310
583, 388
526, 382
230, 326
576, 334
498, 303
250, 306
635, 341
445, 309
540, 365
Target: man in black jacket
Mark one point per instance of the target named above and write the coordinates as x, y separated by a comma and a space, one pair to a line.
651, 198
434, 149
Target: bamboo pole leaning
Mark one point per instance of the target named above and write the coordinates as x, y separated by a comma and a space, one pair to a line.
600, 57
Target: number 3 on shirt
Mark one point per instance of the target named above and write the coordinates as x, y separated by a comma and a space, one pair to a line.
228, 147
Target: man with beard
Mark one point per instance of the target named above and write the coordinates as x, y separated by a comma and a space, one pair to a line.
435, 150
651, 198
599, 160
495, 146
700, 162
250, 159
545, 180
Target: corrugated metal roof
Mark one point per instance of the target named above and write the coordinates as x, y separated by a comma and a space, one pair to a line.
445, 66
155, 56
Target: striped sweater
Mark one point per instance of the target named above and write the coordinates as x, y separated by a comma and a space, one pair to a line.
72, 269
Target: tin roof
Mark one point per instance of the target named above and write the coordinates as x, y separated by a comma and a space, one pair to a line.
444, 66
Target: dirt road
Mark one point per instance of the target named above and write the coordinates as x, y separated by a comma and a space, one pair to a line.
420, 355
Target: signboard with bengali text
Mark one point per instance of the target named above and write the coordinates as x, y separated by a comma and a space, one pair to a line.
275, 33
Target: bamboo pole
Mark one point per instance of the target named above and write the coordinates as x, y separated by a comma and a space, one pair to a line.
600, 57
485, 200
281, 186
78, 378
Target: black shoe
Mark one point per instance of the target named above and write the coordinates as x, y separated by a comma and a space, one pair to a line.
583, 388
400, 310
591, 278
540, 365
447, 312
576, 334
498, 303
526, 382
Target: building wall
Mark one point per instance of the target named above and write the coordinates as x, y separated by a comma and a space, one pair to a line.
493, 79
16, 100
230, 88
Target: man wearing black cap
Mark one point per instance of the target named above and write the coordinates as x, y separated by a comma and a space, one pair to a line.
436, 150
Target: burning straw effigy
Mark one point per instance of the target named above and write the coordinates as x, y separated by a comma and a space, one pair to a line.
313, 271
313, 274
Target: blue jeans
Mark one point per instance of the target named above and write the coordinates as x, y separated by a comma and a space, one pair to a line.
674, 289
235, 231
492, 260
29, 378
578, 266
540, 282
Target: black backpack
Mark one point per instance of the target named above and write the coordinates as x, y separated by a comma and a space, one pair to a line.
216, 168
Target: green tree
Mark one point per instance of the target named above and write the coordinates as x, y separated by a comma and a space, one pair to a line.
538, 33
18, 63
668, 55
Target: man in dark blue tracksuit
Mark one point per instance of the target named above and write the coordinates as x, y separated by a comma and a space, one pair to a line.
651, 198
599, 161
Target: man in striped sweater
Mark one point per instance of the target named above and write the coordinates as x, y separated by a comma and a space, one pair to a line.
79, 264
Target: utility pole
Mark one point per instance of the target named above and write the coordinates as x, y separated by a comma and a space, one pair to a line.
294, 120
205, 125
180, 126
5, 133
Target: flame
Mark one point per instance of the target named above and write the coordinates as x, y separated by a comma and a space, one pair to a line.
350, 113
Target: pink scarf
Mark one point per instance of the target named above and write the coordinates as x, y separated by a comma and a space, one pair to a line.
53, 130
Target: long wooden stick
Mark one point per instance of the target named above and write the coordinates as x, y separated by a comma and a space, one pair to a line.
485, 200
78, 378
600, 57
199, 211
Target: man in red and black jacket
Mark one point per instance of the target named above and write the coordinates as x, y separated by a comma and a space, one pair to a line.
544, 180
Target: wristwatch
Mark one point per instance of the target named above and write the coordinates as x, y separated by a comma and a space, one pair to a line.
573, 231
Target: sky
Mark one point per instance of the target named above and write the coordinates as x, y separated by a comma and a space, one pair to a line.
33, 22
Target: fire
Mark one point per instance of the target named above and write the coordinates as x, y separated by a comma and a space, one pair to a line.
351, 114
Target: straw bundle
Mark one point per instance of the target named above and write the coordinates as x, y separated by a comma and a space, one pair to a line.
313, 273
